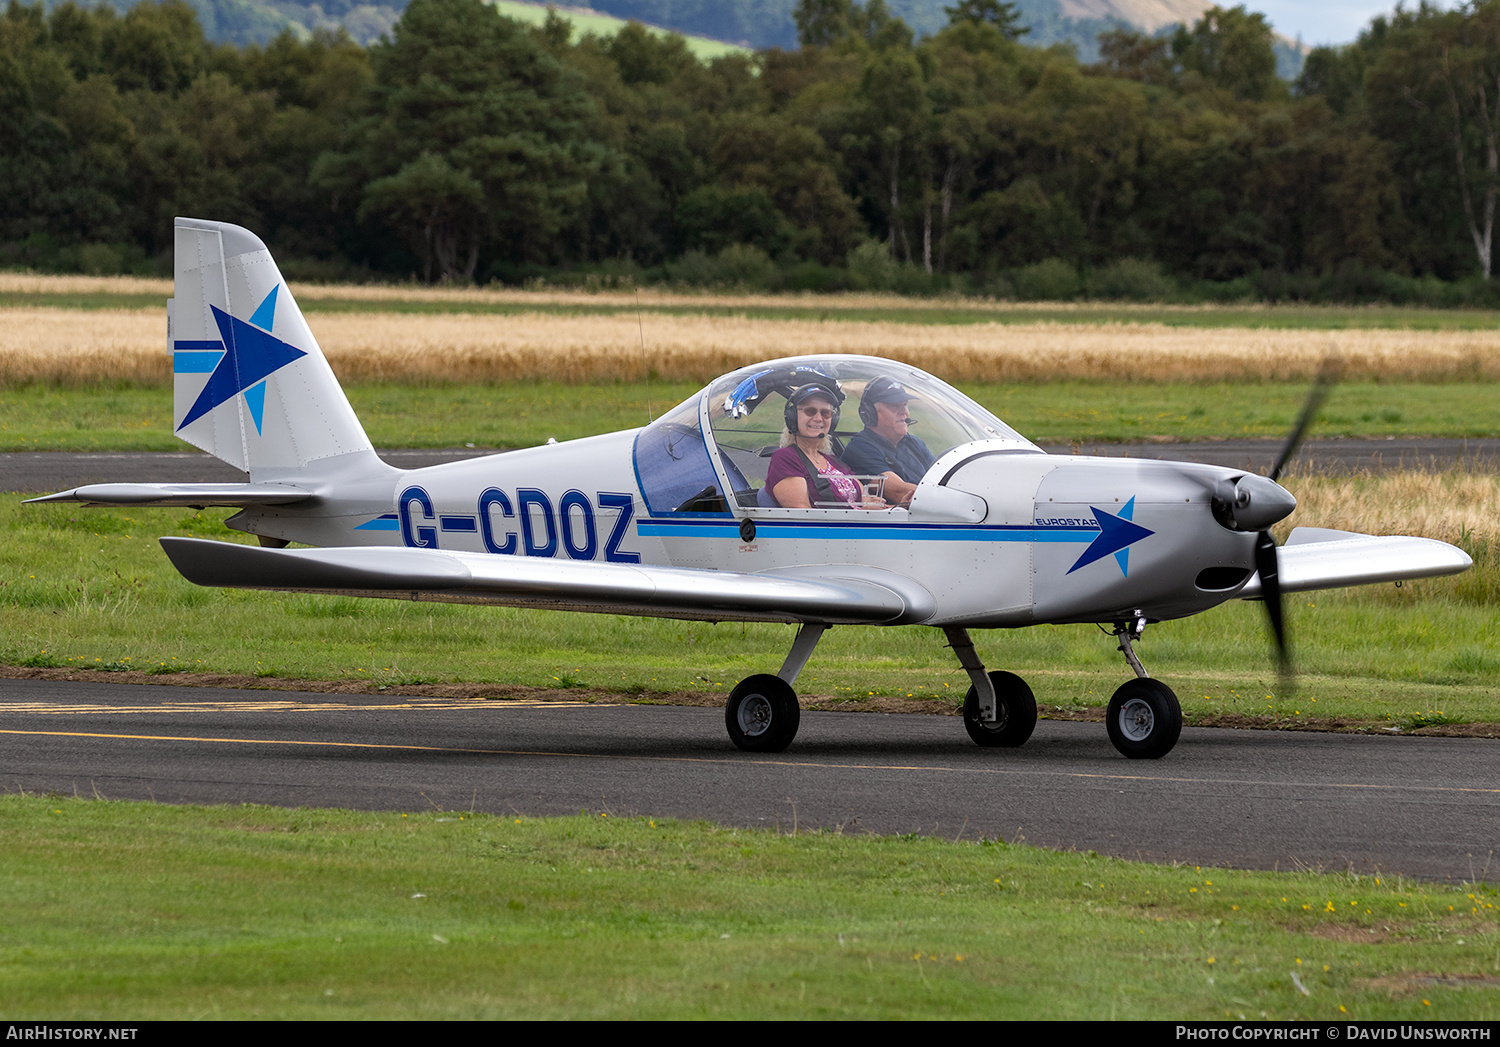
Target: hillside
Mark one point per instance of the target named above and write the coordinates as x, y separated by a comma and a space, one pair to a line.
1149, 15
768, 23
588, 20
259, 21
747, 23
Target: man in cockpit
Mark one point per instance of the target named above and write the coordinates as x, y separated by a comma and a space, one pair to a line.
885, 447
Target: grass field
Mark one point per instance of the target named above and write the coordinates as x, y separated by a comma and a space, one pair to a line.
126, 417
76, 347
132, 911
75, 377
27, 290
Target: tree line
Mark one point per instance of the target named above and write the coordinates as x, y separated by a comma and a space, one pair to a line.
467, 147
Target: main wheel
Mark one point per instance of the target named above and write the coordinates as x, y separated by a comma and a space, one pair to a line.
1015, 713
1144, 719
762, 714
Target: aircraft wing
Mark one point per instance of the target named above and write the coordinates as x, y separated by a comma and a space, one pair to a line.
1318, 558
195, 495
836, 595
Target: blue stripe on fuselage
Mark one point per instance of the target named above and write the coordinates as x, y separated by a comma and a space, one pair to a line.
388, 522
658, 528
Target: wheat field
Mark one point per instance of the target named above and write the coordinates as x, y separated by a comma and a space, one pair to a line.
645, 297
79, 347
1461, 506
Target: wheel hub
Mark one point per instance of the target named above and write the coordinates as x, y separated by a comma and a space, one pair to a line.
1001, 715
1137, 720
755, 715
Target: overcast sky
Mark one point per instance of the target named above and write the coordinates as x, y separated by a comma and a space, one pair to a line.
1323, 21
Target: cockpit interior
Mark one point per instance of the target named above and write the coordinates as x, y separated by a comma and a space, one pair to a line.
709, 455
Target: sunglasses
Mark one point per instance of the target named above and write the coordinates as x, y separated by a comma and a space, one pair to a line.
818, 412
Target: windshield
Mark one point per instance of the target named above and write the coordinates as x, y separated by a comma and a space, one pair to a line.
746, 411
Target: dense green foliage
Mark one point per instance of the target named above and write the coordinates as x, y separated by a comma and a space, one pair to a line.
466, 146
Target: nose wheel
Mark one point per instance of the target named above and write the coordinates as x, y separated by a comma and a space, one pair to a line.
1144, 717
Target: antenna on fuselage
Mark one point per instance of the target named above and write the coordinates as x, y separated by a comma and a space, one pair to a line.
645, 363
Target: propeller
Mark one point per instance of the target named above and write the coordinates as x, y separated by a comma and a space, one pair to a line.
1251, 504
1328, 377
1267, 563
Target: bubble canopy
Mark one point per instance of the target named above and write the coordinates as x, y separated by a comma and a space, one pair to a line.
681, 471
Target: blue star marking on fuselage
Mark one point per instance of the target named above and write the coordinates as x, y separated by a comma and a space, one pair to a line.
1116, 535
251, 354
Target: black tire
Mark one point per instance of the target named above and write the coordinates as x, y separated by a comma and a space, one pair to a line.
762, 714
1016, 714
1144, 719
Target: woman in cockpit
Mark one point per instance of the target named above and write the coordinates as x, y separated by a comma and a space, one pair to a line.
805, 473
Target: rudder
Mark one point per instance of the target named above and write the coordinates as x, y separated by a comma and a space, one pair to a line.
250, 384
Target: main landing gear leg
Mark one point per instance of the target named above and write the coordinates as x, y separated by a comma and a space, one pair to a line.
1144, 717
999, 710
762, 714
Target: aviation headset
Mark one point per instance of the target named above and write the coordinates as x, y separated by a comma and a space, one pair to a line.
829, 391
880, 390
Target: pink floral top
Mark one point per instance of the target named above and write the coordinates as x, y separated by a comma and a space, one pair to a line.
787, 462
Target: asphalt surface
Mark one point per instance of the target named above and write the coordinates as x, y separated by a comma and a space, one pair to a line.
1423, 807
36, 472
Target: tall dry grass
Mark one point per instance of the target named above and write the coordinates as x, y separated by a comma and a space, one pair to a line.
77, 347
647, 297
40, 283
1456, 505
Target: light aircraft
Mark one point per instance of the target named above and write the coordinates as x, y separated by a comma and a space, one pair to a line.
672, 520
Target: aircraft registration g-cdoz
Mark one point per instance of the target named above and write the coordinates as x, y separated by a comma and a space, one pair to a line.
677, 519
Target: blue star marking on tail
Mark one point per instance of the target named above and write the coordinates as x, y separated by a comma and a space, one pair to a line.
251, 354
1116, 535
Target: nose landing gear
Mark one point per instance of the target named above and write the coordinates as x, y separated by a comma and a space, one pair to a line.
1144, 718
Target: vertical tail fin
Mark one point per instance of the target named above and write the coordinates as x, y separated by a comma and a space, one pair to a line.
250, 385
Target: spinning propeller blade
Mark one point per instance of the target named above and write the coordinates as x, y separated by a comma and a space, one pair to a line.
1328, 376
1270, 583
1266, 561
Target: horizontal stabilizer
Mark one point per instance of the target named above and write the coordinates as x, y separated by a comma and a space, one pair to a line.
844, 596
1316, 558
194, 495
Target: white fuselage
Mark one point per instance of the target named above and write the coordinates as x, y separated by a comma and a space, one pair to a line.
996, 533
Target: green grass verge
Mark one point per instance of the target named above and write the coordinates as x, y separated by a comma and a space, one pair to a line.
133, 911
860, 308
91, 589
133, 418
